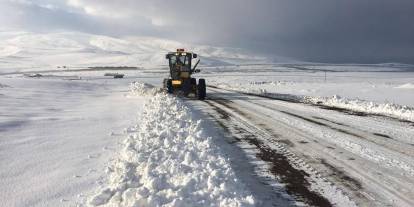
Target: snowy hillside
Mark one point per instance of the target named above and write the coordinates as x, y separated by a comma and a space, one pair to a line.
23, 50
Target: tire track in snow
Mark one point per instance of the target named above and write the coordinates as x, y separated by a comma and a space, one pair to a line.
300, 180
395, 192
385, 159
370, 154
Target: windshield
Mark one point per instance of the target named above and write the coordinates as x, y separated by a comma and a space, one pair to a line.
180, 61
183, 60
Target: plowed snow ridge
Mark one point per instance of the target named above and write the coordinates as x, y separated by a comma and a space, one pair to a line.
387, 109
167, 160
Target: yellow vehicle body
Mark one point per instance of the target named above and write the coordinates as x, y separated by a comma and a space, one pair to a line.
180, 80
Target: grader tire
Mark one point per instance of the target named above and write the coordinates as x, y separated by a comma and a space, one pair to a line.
201, 89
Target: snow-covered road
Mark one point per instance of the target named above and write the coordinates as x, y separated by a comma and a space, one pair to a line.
368, 159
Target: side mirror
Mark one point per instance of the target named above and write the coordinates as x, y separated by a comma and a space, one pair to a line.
167, 56
194, 55
197, 70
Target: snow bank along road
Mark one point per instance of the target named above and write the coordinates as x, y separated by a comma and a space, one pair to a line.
167, 160
322, 157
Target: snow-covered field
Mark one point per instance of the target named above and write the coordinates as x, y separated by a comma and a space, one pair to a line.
72, 137
57, 135
387, 92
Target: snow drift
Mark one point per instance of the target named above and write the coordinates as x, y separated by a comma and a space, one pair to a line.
142, 89
406, 86
387, 109
167, 160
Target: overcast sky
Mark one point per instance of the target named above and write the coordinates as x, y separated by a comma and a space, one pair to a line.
340, 31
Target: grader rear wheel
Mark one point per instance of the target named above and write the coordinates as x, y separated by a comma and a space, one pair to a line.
201, 89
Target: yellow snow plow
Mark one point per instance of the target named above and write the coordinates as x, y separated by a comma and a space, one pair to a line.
180, 81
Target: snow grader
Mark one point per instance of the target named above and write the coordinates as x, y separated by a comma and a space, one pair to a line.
180, 81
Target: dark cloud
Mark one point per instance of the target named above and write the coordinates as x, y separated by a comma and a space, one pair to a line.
363, 31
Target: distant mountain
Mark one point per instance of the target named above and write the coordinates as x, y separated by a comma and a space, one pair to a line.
24, 50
